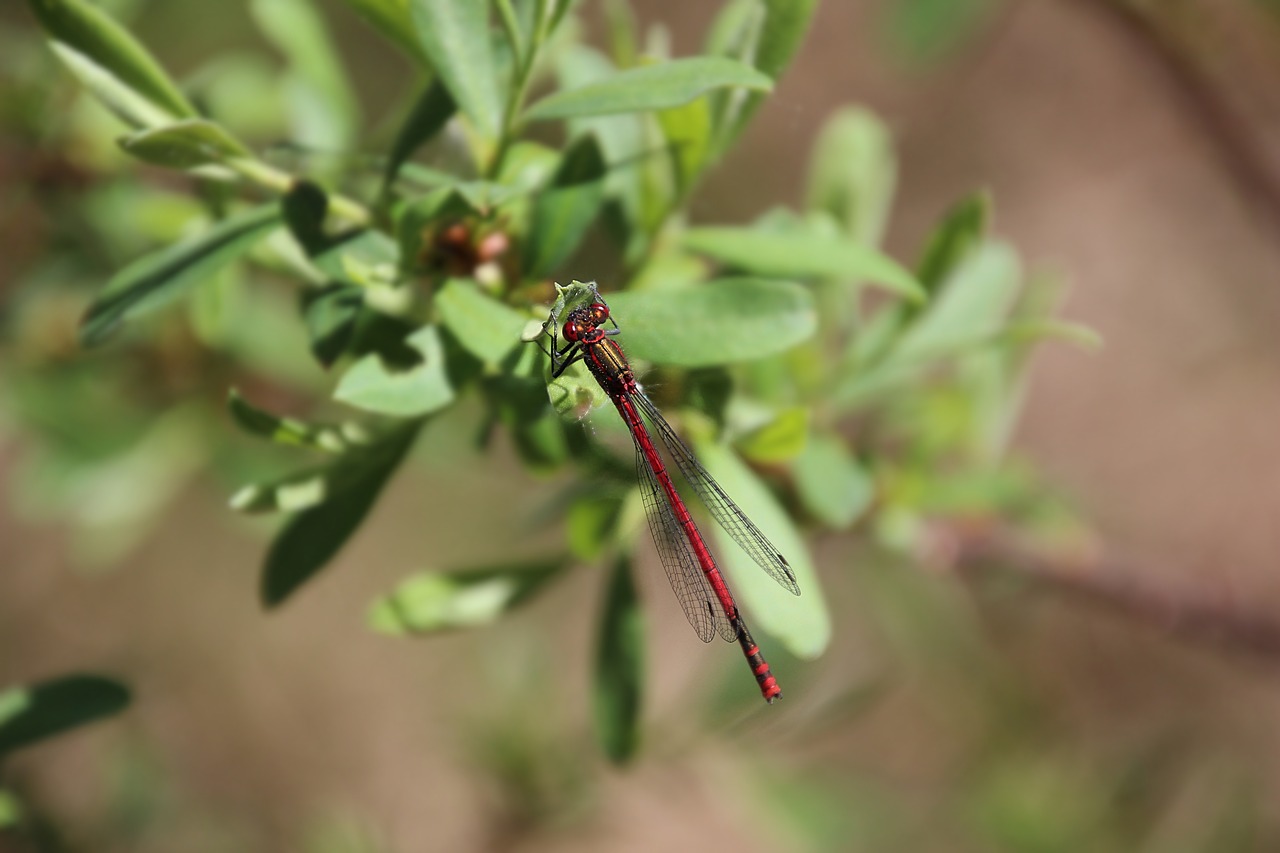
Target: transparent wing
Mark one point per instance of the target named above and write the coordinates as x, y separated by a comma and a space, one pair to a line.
722, 508
687, 579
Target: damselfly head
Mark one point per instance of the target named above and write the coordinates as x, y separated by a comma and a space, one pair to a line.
584, 319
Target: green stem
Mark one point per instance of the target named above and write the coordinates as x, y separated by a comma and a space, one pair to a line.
280, 181
524, 61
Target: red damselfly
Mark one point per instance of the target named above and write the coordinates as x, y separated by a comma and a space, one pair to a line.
703, 592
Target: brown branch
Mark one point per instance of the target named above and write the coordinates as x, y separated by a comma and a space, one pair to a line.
1241, 151
1199, 617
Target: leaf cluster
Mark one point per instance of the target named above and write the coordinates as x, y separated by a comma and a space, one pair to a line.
825, 384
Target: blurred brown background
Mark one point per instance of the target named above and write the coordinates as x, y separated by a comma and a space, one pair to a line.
1127, 147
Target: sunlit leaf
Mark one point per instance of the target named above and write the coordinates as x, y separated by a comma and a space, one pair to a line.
32, 713
779, 440
722, 322
801, 254
428, 602
111, 62
454, 34
156, 278
485, 327
650, 87
312, 537
184, 144
802, 623
373, 385
619, 674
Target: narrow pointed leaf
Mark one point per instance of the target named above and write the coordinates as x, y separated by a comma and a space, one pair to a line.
723, 322
154, 279
802, 623
778, 40
32, 713
429, 602
373, 385
430, 113
393, 20
454, 34
802, 254
284, 430
960, 233
184, 145
564, 211
650, 87
312, 537
111, 62
618, 690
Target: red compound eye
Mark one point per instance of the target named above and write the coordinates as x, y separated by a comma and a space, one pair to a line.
571, 331
599, 313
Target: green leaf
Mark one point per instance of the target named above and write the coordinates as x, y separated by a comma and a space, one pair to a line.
835, 488
283, 430
330, 314
454, 34
618, 690
111, 62
393, 20
853, 173
430, 113
428, 602
30, 714
801, 622
780, 440
591, 522
778, 38
564, 211
971, 305
802, 254
372, 385
312, 537
155, 278
484, 327
926, 31
361, 257
722, 322
960, 233
184, 145
968, 313
323, 105
651, 87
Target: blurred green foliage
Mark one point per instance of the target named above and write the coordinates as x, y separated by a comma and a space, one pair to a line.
338, 305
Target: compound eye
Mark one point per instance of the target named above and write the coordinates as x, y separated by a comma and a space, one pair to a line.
571, 331
599, 313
